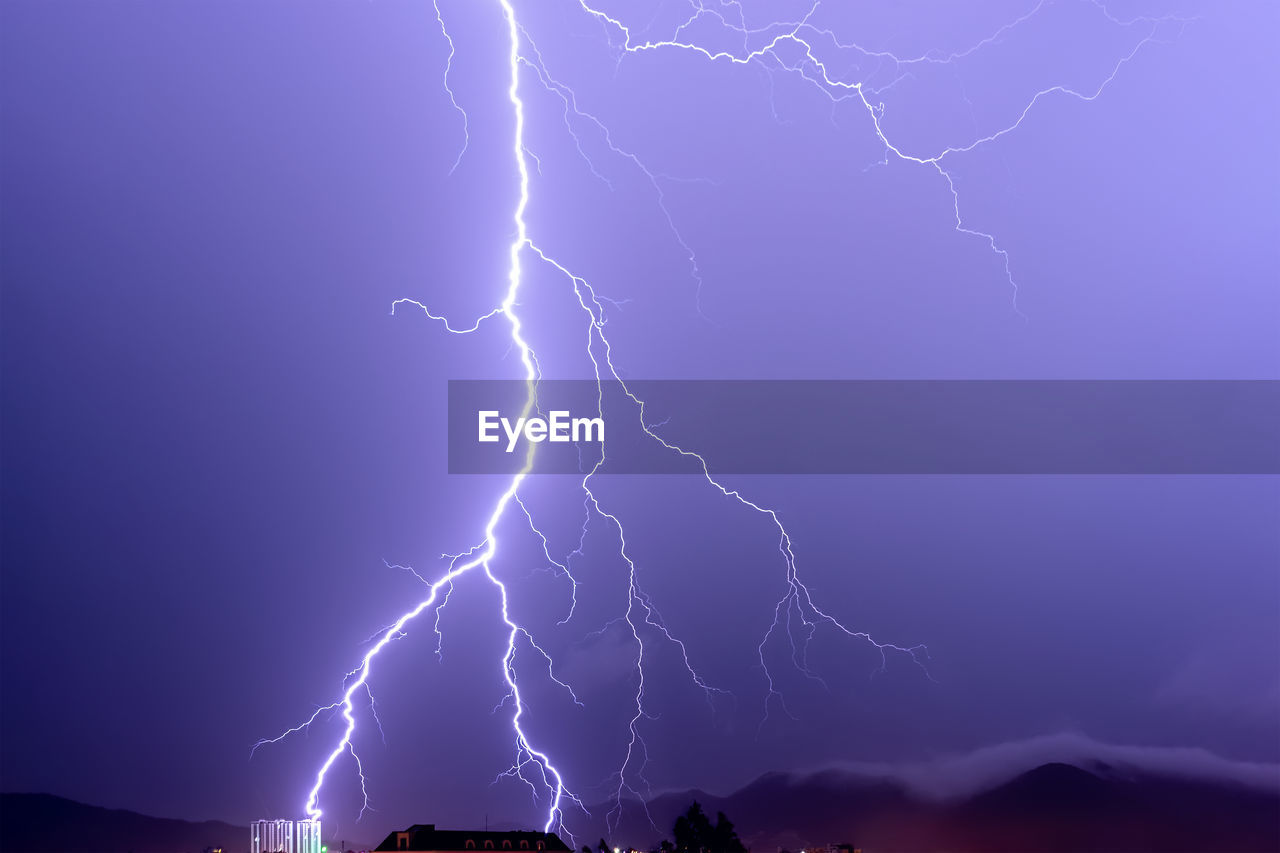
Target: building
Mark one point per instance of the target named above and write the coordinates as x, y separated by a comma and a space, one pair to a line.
284, 836
424, 837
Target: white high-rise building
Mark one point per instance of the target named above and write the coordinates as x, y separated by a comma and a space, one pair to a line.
306, 837
285, 836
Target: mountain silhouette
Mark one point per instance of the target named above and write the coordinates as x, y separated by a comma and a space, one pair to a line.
43, 823
1054, 807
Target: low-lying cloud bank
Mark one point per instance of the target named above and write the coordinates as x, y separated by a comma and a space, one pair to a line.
954, 776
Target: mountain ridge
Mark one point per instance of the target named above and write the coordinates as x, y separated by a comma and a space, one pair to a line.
1056, 806
47, 823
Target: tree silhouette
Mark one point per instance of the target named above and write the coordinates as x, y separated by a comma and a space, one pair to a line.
692, 830
694, 833
725, 838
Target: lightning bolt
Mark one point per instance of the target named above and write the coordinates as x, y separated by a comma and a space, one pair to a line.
796, 616
529, 759
448, 69
814, 70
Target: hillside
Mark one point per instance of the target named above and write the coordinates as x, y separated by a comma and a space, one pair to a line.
43, 823
1054, 807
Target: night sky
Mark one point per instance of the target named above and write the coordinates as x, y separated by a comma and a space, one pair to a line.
216, 435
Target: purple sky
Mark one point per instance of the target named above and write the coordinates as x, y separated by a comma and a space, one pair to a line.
214, 432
